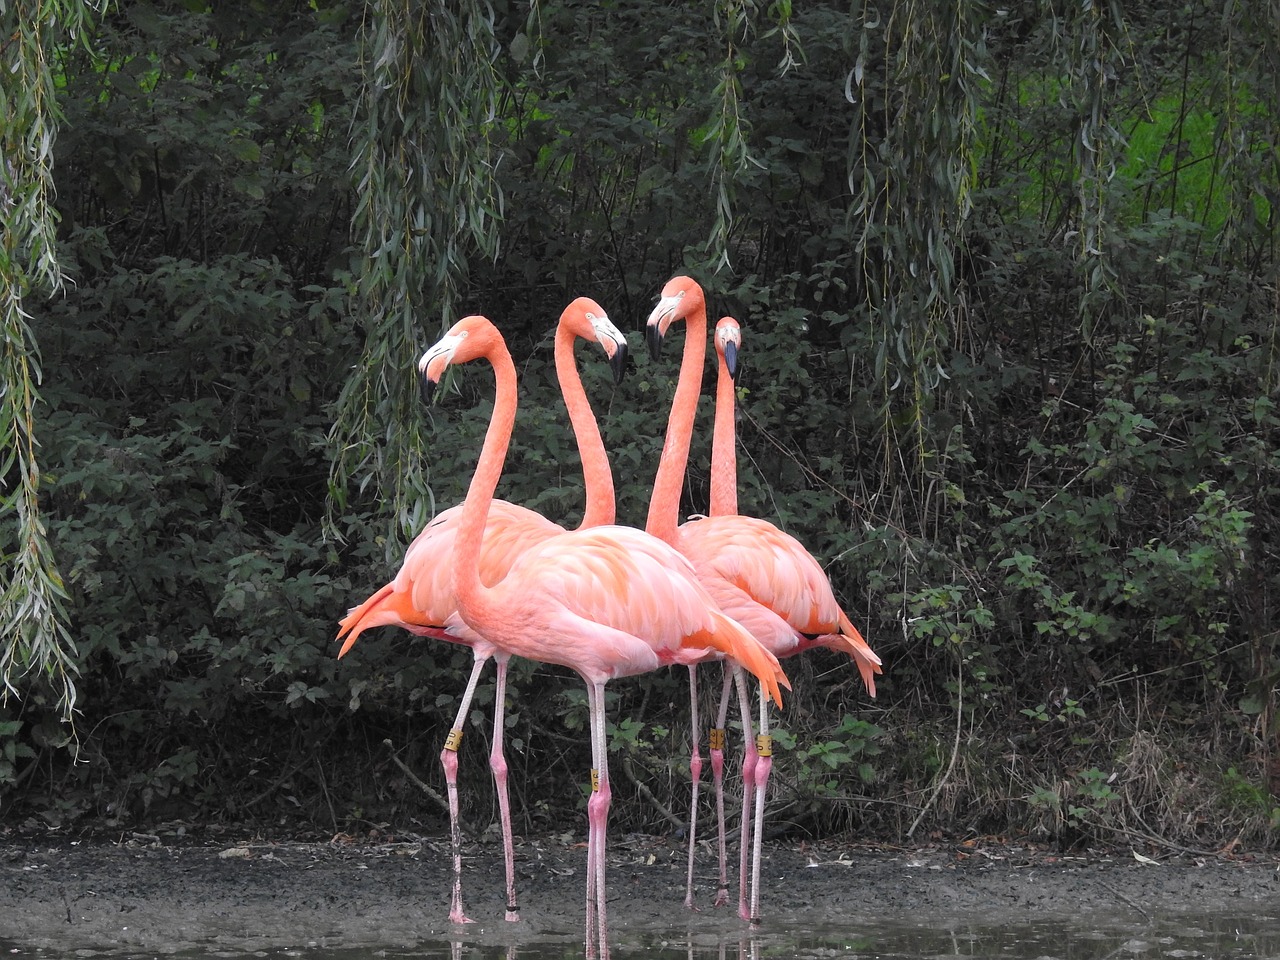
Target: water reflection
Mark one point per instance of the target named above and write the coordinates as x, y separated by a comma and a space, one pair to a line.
1167, 938
1220, 937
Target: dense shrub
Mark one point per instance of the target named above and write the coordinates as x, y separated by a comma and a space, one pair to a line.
1009, 377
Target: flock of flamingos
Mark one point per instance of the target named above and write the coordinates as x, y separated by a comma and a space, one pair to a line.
614, 601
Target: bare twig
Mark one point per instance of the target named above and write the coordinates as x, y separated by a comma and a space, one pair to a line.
629, 769
1129, 900
955, 750
423, 785
279, 781
1160, 842
324, 789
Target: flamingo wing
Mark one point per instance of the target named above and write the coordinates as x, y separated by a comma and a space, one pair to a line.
774, 569
769, 565
762, 623
621, 602
420, 598
428, 568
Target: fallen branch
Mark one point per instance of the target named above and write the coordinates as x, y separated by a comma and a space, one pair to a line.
426, 788
955, 750
629, 769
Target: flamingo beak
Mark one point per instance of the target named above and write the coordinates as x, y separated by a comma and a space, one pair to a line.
653, 337
659, 320
614, 343
435, 361
618, 362
731, 358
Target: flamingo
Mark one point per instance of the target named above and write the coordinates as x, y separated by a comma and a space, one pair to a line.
761, 576
420, 598
606, 601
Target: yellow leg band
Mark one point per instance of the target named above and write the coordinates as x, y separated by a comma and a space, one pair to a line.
595, 781
716, 735
764, 745
453, 740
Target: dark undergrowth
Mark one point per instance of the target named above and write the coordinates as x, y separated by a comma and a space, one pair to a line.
1009, 371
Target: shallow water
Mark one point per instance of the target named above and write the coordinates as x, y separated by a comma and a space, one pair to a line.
1221, 937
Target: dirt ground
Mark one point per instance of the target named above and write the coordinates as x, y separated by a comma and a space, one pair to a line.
169, 893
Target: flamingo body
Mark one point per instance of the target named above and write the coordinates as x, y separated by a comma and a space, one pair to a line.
607, 601
421, 597
772, 570
617, 602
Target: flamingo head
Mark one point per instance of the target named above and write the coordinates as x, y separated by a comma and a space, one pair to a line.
728, 342
468, 339
587, 320
680, 297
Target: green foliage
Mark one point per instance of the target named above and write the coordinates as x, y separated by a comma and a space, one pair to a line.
1007, 288
1069, 709
824, 768
1082, 802
426, 197
181, 435
12, 749
36, 649
1245, 796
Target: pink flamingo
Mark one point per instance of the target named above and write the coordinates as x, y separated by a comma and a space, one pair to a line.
420, 598
606, 601
761, 576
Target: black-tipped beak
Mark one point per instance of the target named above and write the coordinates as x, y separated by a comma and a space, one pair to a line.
731, 359
618, 362
428, 388
653, 337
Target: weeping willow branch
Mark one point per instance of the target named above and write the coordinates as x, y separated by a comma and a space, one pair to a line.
1091, 57
1247, 139
34, 640
427, 198
915, 88
728, 133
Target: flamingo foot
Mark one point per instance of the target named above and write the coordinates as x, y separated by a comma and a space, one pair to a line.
722, 897
513, 916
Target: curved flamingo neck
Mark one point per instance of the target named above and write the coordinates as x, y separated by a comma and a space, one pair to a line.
468, 591
596, 475
664, 506
724, 456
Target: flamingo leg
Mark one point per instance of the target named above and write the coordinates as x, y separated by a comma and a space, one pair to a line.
598, 826
717, 738
498, 764
695, 776
449, 760
591, 935
763, 766
750, 761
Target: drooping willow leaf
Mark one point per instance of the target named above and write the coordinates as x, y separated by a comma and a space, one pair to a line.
916, 86
427, 200
34, 638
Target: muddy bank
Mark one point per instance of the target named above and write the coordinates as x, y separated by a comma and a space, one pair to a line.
164, 895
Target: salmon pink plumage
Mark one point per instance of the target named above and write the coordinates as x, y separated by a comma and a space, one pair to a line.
420, 598
607, 601
761, 576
